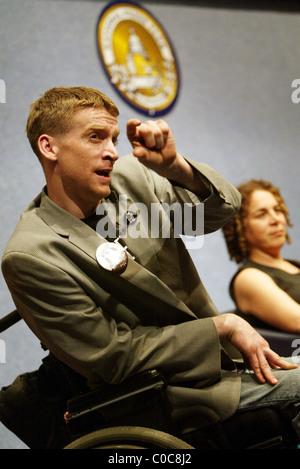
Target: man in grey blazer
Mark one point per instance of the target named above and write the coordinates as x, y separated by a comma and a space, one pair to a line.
150, 309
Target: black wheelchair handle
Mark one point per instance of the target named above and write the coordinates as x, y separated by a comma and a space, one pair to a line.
9, 320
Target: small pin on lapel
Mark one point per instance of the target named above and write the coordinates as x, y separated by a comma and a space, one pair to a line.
130, 217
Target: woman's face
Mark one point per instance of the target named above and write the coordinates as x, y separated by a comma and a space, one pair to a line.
265, 223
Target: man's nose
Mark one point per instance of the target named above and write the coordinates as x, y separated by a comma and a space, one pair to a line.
111, 152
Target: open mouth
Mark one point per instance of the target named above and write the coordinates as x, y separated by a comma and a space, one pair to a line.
103, 173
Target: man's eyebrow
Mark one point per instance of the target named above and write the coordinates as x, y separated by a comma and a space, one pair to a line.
101, 128
96, 127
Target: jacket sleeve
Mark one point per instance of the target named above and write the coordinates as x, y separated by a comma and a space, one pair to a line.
219, 207
101, 346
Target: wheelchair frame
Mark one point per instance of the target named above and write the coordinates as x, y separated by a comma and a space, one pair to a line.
113, 416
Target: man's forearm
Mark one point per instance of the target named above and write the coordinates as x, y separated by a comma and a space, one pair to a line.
183, 174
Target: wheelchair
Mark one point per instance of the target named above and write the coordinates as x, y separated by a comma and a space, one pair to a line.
136, 414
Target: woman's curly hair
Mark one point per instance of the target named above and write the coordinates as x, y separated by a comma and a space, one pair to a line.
234, 230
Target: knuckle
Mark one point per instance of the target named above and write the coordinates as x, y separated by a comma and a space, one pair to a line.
265, 366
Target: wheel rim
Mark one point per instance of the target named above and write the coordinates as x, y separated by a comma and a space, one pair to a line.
128, 438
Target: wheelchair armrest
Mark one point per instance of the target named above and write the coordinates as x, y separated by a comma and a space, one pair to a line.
9, 320
112, 393
139, 401
281, 342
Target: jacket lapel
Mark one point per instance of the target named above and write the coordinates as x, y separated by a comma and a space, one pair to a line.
87, 240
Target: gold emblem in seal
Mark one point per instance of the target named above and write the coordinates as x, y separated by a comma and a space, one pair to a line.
138, 58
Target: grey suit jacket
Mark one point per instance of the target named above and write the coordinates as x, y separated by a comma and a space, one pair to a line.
156, 314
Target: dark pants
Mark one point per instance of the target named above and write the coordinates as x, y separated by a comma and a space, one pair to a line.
33, 406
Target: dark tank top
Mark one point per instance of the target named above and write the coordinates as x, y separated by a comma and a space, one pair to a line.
290, 283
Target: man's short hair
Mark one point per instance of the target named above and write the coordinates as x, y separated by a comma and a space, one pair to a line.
53, 113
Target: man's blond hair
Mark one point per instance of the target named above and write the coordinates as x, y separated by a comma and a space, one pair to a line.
53, 113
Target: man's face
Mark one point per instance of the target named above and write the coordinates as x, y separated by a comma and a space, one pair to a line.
85, 156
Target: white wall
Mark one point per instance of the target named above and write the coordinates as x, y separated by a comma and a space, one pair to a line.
234, 112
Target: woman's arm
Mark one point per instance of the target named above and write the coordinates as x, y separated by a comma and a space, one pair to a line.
257, 294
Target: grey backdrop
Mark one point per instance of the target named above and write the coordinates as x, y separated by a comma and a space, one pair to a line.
234, 112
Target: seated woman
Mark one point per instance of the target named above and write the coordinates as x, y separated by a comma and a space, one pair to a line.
266, 287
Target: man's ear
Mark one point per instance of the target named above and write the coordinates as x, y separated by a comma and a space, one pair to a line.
47, 147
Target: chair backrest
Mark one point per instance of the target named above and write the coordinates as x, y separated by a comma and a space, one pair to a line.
285, 344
